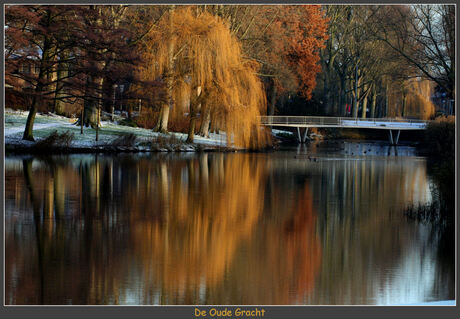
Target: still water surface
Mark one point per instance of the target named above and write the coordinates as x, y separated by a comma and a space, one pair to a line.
322, 224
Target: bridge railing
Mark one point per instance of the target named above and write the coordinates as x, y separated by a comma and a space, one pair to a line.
383, 119
292, 120
333, 121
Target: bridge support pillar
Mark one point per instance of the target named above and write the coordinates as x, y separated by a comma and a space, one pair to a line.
302, 138
390, 137
397, 137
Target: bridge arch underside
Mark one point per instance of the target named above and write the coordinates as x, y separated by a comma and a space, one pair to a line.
394, 132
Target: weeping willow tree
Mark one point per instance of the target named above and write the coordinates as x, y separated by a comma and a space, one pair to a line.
200, 58
411, 98
419, 99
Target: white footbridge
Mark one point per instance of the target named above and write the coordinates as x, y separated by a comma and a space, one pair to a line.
305, 122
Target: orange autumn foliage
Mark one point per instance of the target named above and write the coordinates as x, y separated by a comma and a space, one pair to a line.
291, 45
208, 56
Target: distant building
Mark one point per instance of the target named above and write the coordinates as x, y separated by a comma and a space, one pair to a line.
444, 103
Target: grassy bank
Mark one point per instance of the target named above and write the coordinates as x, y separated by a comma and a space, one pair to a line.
60, 134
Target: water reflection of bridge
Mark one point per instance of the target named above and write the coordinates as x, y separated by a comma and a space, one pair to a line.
344, 122
315, 164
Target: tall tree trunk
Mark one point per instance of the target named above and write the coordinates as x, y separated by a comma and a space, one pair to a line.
341, 105
95, 82
44, 65
363, 115
162, 124
81, 120
90, 104
386, 101
93, 102
62, 72
116, 13
156, 128
342, 97
193, 112
50, 87
334, 100
206, 119
28, 134
191, 129
99, 81
114, 97
272, 103
130, 111
214, 127
326, 106
355, 106
403, 108
373, 102
356, 94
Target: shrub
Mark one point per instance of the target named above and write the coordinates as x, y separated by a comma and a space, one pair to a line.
440, 136
147, 119
128, 122
56, 140
128, 139
169, 142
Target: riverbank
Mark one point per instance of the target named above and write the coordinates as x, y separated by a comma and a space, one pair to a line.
58, 134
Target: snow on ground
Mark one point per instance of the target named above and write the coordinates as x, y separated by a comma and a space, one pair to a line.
15, 130
278, 132
44, 125
363, 123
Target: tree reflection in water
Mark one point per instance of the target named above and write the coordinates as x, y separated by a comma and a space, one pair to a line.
204, 229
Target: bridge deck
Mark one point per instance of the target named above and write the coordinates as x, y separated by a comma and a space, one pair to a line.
344, 122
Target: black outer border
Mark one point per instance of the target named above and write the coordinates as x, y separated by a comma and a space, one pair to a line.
374, 312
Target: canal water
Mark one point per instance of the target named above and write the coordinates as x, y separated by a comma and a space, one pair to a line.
313, 225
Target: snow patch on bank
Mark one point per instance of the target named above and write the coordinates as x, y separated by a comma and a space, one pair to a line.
44, 125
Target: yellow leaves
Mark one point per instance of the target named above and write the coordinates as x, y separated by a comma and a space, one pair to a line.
206, 54
419, 99
415, 101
